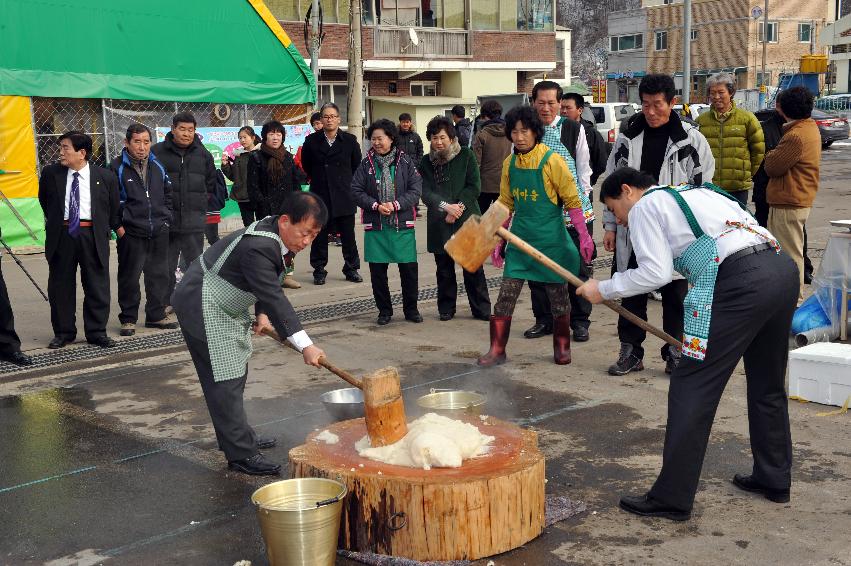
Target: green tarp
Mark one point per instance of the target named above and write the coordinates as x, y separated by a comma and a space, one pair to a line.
173, 50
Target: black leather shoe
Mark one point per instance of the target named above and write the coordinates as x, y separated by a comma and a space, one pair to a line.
415, 317
539, 330
319, 280
58, 342
580, 334
257, 465
383, 319
354, 277
264, 443
18, 358
747, 483
444, 316
103, 342
646, 506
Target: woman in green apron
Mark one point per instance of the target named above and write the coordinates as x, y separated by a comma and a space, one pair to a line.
536, 184
387, 188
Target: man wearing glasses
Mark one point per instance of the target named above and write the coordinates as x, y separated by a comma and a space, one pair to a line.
330, 157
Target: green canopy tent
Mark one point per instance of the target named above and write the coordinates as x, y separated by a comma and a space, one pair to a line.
183, 51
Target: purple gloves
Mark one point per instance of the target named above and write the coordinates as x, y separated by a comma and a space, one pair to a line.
586, 244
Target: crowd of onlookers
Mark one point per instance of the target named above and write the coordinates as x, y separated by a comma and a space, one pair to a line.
161, 200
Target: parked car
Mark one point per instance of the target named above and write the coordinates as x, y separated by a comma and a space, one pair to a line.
608, 115
695, 109
834, 102
831, 126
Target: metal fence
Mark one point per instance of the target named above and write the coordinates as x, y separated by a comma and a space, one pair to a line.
106, 120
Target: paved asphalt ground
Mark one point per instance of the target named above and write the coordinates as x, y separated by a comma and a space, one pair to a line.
112, 459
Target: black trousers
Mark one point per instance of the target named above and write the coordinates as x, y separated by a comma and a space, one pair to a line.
672, 313
225, 403
486, 199
211, 232
62, 286
741, 196
345, 226
9, 340
188, 245
755, 297
580, 309
137, 256
447, 288
246, 209
409, 273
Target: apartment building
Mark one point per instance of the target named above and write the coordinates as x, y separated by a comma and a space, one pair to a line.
465, 48
726, 36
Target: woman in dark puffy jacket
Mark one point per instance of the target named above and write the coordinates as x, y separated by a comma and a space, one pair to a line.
272, 176
387, 187
236, 170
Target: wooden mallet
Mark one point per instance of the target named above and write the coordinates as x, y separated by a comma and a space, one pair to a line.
383, 407
474, 242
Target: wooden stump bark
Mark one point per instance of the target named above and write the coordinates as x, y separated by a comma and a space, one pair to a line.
491, 504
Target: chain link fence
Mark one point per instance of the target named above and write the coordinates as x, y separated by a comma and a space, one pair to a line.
106, 120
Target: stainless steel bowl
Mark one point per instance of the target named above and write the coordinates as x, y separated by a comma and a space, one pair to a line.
344, 404
471, 402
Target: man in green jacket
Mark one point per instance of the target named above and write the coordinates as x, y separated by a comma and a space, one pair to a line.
735, 137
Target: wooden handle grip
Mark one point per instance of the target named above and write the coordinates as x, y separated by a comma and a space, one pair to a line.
577, 282
354, 381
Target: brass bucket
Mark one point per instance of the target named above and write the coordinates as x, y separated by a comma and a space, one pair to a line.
300, 520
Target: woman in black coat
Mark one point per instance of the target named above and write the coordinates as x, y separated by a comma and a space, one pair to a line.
272, 176
387, 187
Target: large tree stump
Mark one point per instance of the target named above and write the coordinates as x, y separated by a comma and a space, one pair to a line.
490, 505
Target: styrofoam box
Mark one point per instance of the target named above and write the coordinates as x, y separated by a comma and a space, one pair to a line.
821, 373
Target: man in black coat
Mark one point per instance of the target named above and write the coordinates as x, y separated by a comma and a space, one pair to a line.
80, 203
145, 213
10, 344
572, 106
408, 140
192, 172
219, 339
330, 158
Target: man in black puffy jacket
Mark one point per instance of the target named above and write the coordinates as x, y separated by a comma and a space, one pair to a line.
192, 172
145, 213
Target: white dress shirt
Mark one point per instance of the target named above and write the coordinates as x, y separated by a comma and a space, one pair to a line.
583, 161
660, 232
85, 192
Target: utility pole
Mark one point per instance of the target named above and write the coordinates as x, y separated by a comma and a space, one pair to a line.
687, 52
355, 78
314, 44
763, 88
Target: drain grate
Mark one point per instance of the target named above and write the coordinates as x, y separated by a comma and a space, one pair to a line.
166, 339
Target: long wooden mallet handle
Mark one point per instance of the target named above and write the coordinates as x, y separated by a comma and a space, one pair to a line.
322, 361
577, 282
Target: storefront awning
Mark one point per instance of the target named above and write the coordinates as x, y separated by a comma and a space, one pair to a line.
183, 50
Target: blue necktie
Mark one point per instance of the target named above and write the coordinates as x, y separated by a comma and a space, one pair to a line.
74, 208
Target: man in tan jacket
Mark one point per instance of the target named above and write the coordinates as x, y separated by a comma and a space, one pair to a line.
793, 171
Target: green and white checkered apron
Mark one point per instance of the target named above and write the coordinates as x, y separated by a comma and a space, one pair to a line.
225, 309
699, 265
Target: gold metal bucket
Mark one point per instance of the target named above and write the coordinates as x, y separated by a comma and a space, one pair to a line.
300, 520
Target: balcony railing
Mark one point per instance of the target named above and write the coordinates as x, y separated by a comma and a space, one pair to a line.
433, 43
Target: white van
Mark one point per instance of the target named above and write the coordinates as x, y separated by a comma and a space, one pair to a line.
608, 116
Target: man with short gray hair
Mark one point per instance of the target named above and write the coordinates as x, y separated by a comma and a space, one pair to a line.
735, 137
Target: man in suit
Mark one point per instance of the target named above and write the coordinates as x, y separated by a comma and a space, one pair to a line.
238, 271
330, 158
80, 203
10, 344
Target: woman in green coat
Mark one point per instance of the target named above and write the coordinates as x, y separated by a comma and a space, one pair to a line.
451, 188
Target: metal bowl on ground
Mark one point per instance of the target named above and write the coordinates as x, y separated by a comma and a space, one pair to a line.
344, 404
452, 401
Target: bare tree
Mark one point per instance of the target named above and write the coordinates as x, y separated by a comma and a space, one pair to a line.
589, 20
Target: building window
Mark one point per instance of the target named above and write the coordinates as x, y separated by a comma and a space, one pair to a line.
535, 15
559, 51
424, 88
333, 11
338, 93
805, 32
626, 42
772, 32
485, 14
694, 35
759, 78
661, 40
